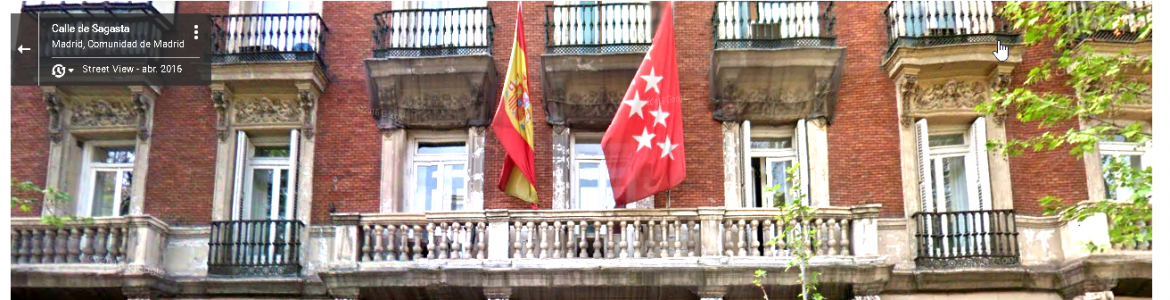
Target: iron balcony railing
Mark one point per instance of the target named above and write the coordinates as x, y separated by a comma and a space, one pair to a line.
966, 239
1104, 29
773, 24
932, 23
268, 37
598, 28
433, 32
255, 248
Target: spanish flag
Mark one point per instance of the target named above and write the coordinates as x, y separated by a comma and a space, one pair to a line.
513, 122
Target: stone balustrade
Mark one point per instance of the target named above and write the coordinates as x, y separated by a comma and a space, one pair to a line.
102, 241
407, 237
583, 234
747, 232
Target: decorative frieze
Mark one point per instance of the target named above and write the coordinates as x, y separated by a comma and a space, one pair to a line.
267, 111
103, 113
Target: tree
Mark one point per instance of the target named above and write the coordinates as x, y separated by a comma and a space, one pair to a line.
23, 200
798, 238
1102, 84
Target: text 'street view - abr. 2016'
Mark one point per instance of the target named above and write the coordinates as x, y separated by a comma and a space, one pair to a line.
702, 150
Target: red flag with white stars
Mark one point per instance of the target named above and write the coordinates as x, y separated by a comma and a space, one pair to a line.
643, 145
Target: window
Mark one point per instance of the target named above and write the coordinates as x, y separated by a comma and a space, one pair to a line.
590, 175
107, 173
953, 167
769, 153
265, 177
1127, 152
440, 176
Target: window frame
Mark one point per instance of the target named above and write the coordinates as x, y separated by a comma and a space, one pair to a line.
1117, 149
797, 153
242, 192
415, 160
89, 169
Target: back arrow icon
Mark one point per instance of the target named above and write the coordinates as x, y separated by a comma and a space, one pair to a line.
21, 49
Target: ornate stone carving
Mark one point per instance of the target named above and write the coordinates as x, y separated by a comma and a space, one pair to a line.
264, 110
736, 103
590, 108
308, 103
1001, 81
395, 109
221, 110
142, 106
103, 113
951, 94
53, 106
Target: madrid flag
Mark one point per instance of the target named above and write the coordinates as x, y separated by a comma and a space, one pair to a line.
643, 145
513, 123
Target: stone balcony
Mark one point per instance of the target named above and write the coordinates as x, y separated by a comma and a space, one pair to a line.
110, 256
522, 253
775, 62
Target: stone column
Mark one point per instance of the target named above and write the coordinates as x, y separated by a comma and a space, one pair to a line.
710, 220
732, 164
865, 230
143, 100
345, 242
818, 162
394, 146
498, 239
225, 155
562, 150
475, 170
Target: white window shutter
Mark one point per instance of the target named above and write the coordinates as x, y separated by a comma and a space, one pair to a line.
749, 191
979, 149
925, 184
238, 187
801, 136
294, 146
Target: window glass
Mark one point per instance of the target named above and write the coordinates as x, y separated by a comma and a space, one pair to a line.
271, 151
127, 179
954, 177
454, 181
947, 140
113, 155
442, 148
1113, 178
426, 186
105, 183
771, 143
261, 198
589, 148
779, 180
593, 189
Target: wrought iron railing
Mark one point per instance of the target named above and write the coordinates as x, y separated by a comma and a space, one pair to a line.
255, 248
433, 32
268, 37
597, 28
1103, 29
773, 24
932, 23
966, 239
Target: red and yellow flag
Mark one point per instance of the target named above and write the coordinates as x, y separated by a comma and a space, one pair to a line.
513, 122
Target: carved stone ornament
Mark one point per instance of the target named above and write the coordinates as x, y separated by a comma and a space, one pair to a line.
736, 103
103, 113
53, 106
583, 109
308, 103
951, 94
142, 106
1001, 81
431, 110
221, 110
265, 111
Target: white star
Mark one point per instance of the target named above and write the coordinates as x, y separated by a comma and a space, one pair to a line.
652, 81
659, 116
667, 148
635, 105
648, 52
644, 140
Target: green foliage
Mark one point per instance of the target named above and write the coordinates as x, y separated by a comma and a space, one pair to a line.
798, 238
1101, 85
49, 195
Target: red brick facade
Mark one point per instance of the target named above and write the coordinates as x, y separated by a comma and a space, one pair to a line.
864, 162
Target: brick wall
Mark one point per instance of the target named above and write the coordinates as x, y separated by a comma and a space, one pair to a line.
181, 179
864, 162
30, 142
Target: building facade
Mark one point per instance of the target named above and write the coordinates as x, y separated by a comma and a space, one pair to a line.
342, 151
